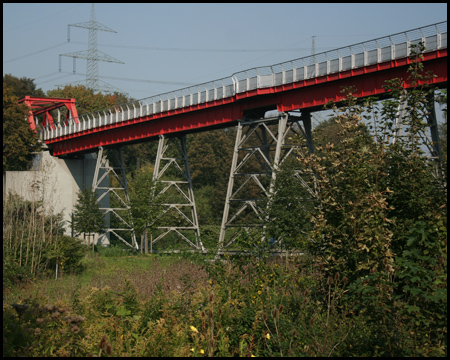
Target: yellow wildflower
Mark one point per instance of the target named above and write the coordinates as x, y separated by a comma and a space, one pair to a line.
194, 329
202, 351
268, 336
192, 350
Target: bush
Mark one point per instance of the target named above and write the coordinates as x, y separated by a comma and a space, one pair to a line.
114, 250
68, 252
13, 273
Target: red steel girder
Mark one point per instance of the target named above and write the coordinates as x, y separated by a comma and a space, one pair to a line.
40, 105
311, 93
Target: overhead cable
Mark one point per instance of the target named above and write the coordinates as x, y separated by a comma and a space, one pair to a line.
61, 77
44, 76
148, 81
34, 53
192, 49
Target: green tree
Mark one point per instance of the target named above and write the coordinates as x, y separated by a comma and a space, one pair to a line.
19, 141
380, 219
210, 155
136, 155
330, 131
288, 210
350, 209
87, 216
21, 87
144, 208
87, 100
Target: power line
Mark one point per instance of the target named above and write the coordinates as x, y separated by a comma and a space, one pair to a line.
57, 78
151, 48
34, 53
287, 48
136, 80
45, 17
148, 81
352, 35
44, 76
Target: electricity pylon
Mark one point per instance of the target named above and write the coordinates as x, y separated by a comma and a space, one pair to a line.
92, 55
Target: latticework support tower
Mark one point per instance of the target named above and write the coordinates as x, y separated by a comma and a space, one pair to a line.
93, 55
119, 209
259, 151
177, 222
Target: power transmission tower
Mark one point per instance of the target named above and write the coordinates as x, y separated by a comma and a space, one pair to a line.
92, 55
313, 48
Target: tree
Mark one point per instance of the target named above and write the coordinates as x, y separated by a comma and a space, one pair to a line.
135, 155
19, 141
87, 217
210, 155
330, 131
144, 208
22, 86
443, 140
380, 217
86, 100
288, 210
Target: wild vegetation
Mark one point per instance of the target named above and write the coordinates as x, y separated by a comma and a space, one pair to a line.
372, 280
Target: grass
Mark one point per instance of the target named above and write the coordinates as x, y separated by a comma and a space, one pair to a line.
153, 305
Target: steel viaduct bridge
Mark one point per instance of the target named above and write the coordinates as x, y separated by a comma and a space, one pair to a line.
241, 100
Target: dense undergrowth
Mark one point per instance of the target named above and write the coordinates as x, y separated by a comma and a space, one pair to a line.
184, 306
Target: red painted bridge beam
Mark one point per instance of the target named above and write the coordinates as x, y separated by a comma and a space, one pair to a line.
311, 93
42, 105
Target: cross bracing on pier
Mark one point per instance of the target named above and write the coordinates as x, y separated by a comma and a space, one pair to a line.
376, 51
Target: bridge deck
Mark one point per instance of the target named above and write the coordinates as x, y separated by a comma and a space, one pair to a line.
304, 83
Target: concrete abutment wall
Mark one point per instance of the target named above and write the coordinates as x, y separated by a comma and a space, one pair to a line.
56, 182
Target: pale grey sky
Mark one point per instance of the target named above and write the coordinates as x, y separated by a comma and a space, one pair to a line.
164, 46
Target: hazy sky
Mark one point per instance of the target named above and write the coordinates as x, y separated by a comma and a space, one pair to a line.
181, 44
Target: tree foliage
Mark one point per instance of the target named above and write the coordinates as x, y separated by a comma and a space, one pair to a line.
87, 216
20, 87
19, 141
144, 208
87, 100
380, 215
210, 155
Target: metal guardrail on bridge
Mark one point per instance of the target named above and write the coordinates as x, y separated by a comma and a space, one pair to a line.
380, 50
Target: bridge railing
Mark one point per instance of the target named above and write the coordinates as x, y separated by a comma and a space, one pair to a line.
375, 51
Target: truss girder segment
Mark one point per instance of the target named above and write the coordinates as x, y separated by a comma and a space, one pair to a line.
121, 211
40, 105
178, 219
266, 140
